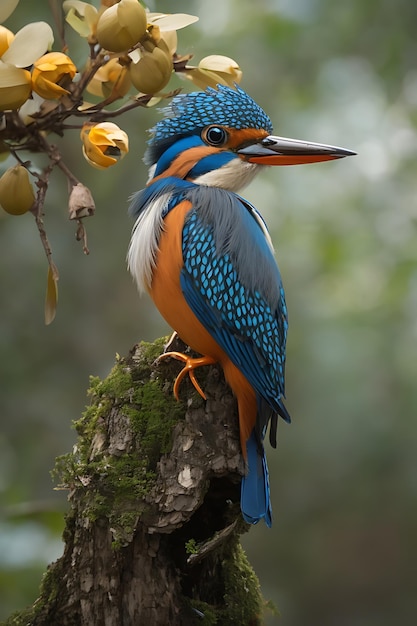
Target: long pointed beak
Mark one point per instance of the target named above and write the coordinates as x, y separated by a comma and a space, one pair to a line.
283, 151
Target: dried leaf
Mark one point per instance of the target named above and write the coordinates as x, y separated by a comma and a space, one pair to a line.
51, 299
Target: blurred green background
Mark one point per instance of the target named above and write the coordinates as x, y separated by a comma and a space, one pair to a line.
342, 550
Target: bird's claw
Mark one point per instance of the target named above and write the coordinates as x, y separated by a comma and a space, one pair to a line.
190, 365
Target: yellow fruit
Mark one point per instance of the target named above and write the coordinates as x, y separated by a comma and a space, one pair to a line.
50, 73
111, 79
152, 72
104, 144
6, 38
16, 191
121, 26
15, 86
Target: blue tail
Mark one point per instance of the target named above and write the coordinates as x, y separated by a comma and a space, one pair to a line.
255, 500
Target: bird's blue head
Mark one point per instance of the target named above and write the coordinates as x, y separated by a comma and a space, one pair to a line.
189, 114
219, 137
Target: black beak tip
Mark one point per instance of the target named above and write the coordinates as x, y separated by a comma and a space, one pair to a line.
343, 152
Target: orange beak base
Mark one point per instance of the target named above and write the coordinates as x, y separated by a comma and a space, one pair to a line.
283, 151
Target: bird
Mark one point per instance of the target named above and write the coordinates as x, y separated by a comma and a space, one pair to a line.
204, 255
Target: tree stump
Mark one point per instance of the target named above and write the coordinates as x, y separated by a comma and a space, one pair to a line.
152, 534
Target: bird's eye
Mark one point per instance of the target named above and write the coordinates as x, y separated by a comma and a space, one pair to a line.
215, 135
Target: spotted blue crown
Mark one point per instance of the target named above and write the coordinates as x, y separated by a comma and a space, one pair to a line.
189, 113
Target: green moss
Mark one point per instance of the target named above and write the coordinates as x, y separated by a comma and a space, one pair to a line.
234, 595
117, 485
191, 547
50, 585
151, 351
153, 417
243, 597
228, 590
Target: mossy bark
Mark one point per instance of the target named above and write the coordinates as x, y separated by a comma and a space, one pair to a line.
152, 534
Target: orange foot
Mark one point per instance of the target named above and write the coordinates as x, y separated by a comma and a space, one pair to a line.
190, 365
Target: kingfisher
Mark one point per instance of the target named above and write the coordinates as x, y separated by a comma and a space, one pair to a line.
205, 256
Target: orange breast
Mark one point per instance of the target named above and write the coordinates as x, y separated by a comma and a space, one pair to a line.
167, 295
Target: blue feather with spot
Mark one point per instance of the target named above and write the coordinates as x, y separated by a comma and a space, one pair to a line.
232, 283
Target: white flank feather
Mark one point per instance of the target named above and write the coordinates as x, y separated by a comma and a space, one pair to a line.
143, 248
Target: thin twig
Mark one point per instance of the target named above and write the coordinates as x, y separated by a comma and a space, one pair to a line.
56, 10
56, 157
208, 546
82, 234
37, 211
87, 75
141, 101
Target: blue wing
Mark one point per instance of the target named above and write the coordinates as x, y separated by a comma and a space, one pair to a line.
225, 256
231, 282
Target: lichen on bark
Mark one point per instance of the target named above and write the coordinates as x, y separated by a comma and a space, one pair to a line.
152, 534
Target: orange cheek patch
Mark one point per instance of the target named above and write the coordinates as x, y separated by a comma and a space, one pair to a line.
238, 138
185, 162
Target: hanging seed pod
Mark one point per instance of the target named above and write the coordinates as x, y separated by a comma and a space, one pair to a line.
80, 202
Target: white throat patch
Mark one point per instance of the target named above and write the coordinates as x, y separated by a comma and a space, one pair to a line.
232, 176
